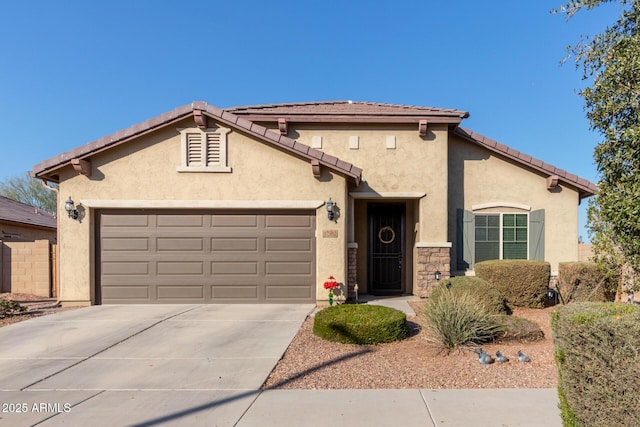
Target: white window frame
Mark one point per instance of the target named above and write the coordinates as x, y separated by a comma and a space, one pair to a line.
220, 166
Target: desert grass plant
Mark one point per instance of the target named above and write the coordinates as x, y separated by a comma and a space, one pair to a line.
457, 320
10, 308
361, 324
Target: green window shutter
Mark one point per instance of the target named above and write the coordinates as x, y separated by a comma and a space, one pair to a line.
465, 239
487, 235
536, 235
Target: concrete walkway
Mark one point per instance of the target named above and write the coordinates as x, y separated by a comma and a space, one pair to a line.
161, 365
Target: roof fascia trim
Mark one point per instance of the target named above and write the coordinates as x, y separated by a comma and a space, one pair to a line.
585, 187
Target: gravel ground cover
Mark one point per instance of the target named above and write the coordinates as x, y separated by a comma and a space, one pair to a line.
313, 363
36, 306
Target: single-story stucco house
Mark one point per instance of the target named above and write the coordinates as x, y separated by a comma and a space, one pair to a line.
263, 203
20, 222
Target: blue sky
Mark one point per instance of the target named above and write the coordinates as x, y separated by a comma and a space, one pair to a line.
74, 71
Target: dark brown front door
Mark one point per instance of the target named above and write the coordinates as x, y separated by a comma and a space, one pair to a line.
386, 244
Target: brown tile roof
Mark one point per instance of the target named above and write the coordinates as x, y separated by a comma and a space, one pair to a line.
18, 212
49, 167
329, 111
348, 111
585, 187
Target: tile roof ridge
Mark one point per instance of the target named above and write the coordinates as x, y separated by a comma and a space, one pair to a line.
343, 102
286, 104
588, 188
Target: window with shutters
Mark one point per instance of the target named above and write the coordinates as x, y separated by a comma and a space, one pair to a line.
487, 236
204, 150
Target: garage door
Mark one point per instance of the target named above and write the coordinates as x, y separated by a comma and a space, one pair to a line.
205, 257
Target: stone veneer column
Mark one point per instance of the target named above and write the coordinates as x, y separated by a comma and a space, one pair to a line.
352, 251
431, 259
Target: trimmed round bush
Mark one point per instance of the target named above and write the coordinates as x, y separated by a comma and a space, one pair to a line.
523, 283
584, 281
487, 296
361, 324
597, 355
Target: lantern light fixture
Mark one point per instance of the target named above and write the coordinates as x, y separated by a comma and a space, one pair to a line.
70, 207
331, 209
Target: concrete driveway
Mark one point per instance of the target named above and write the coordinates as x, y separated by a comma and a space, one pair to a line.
142, 364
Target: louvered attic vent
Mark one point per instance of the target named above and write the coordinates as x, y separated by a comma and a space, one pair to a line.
204, 150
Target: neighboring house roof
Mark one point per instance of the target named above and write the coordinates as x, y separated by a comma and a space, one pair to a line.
348, 111
12, 211
47, 169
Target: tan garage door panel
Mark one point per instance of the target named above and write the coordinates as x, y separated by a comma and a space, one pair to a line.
206, 257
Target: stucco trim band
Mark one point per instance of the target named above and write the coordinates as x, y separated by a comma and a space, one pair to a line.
433, 244
500, 205
386, 195
206, 204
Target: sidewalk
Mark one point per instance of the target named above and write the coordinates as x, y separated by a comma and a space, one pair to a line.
407, 408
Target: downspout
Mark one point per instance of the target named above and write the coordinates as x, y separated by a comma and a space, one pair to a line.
47, 186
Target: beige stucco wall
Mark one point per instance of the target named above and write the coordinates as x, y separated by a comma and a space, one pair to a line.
416, 165
144, 171
476, 177
415, 172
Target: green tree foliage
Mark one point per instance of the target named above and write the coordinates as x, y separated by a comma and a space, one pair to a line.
29, 190
611, 60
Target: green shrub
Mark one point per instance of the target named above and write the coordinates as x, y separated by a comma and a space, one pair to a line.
361, 324
487, 296
597, 351
520, 329
457, 319
523, 283
583, 281
9, 308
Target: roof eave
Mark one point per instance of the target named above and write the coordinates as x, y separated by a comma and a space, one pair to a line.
584, 187
285, 143
48, 168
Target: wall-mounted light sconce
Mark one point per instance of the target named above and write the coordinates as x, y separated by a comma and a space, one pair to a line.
437, 275
331, 209
70, 207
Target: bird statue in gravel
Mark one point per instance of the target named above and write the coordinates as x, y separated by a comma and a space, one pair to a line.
501, 357
523, 357
484, 358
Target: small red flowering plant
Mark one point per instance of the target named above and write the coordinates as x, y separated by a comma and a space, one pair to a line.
331, 284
